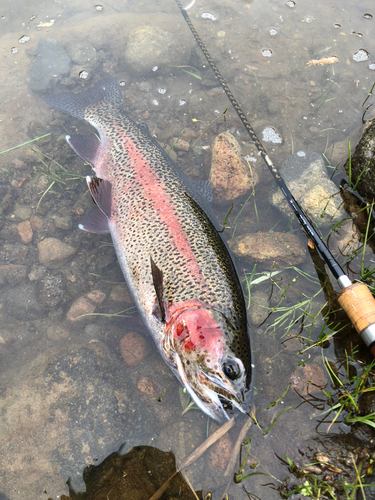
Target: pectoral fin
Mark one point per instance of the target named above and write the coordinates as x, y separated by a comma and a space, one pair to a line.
157, 279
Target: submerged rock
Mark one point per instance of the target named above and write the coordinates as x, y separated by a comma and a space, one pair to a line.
306, 176
147, 469
50, 65
54, 253
84, 305
71, 408
269, 249
229, 177
151, 48
133, 348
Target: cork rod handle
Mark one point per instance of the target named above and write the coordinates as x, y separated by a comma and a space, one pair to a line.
359, 304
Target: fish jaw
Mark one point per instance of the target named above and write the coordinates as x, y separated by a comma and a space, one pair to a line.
197, 345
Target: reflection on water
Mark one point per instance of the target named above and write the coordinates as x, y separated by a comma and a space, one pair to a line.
68, 397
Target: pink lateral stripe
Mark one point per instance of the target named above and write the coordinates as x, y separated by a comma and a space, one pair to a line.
155, 193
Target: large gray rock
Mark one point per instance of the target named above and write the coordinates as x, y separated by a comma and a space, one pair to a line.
151, 48
67, 409
306, 177
363, 164
50, 65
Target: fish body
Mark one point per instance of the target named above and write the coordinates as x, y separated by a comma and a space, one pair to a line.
174, 261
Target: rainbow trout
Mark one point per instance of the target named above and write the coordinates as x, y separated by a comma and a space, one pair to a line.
176, 265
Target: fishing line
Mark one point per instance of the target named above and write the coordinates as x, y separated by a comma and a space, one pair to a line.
356, 299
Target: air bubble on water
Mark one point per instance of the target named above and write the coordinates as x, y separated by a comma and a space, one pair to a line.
273, 32
162, 91
14, 50
84, 75
372, 66
99, 8
250, 159
301, 153
270, 135
24, 39
291, 4
207, 15
361, 55
267, 53
337, 25
367, 16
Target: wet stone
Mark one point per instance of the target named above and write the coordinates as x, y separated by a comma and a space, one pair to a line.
25, 231
57, 332
147, 469
308, 379
51, 291
363, 164
64, 223
269, 249
230, 178
120, 293
50, 65
134, 348
23, 212
12, 274
87, 304
83, 53
149, 47
54, 253
21, 303
221, 452
306, 176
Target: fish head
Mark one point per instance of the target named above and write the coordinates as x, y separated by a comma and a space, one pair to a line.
199, 343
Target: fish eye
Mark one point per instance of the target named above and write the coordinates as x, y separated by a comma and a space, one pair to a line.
231, 369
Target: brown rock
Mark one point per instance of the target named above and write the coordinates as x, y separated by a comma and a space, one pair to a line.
308, 379
13, 274
269, 248
64, 223
36, 222
221, 452
133, 348
230, 178
179, 144
54, 253
86, 304
25, 231
120, 293
147, 386
57, 332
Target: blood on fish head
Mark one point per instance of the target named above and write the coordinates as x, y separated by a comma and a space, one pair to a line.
198, 339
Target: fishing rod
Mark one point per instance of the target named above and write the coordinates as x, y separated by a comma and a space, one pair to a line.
355, 298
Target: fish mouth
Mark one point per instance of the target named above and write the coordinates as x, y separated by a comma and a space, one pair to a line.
209, 392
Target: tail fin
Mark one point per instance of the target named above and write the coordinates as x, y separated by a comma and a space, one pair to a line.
105, 92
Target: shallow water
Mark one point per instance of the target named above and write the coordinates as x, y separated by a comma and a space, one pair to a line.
67, 399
